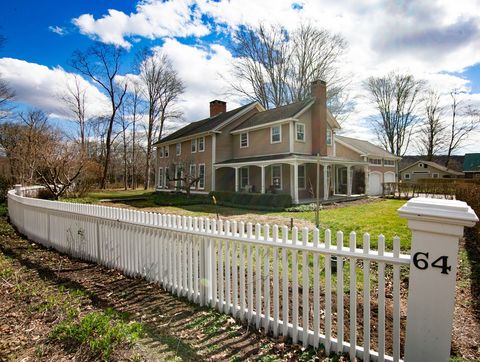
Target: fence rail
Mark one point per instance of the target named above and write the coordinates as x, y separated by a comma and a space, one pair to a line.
286, 282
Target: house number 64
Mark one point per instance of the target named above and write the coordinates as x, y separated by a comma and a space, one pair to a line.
420, 260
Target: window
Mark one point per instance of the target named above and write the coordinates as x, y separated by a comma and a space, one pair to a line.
406, 176
276, 134
244, 140
375, 161
201, 175
329, 136
165, 182
194, 145
160, 152
178, 149
166, 151
193, 172
244, 177
300, 132
277, 176
201, 144
389, 163
301, 177
160, 177
435, 175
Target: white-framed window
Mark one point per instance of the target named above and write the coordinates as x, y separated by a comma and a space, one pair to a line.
406, 176
194, 145
160, 152
434, 175
301, 176
161, 179
276, 134
201, 144
193, 172
244, 140
178, 149
244, 177
329, 136
165, 180
389, 163
375, 161
201, 175
166, 151
277, 176
300, 132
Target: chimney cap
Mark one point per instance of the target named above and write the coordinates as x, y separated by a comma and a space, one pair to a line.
218, 101
318, 81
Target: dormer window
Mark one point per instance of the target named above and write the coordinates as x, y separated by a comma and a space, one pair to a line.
276, 134
300, 132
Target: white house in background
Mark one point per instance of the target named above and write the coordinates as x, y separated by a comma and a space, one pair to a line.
250, 149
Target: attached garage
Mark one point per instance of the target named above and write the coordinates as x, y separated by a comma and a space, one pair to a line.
374, 183
389, 177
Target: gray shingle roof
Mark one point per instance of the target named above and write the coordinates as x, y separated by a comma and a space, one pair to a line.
203, 125
274, 114
365, 147
471, 162
437, 166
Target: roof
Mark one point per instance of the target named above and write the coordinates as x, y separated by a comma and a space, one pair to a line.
365, 147
284, 156
437, 166
275, 114
471, 163
204, 125
455, 161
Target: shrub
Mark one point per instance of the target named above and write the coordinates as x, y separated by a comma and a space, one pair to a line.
470, 193
175, 198
5, 185
252, 200
303, 208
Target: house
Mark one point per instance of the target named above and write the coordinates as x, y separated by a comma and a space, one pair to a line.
250, 149
427, 169
471, 165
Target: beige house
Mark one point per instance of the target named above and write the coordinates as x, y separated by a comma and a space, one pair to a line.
250, 149
427, 169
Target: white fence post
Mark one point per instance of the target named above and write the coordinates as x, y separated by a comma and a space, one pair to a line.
436, 228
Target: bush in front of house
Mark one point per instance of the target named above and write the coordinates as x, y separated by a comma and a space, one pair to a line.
254, 201
175, 198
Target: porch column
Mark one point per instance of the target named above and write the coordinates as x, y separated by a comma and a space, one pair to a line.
349, 181
325, 182
262, 175
295, 183
236, 180
213, 178
365, 170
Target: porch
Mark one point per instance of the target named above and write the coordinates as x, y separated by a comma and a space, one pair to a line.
301, 176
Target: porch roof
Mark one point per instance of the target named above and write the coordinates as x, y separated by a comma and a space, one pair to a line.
290, 158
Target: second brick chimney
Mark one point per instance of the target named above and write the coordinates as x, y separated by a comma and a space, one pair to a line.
319, 117
217, 107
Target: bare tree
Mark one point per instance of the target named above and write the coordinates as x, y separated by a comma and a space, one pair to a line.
396, 97
183, 175
74, 100
464, 120
6, 93
124, 126
161, 87
102, 64
135, 109
275, 67
431, 136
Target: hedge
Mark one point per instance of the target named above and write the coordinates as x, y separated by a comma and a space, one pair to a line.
179, 199
252, 200
470, 193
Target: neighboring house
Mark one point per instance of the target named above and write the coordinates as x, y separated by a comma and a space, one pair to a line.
471, 165
427, 169
251, 149
455, 162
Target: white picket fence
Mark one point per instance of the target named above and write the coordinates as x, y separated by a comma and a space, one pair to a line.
277, 280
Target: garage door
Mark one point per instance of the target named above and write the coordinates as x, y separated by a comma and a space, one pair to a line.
389, 177
374, 184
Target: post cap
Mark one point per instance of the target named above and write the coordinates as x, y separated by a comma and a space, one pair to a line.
441, 210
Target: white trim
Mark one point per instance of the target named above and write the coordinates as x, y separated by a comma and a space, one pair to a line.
246, 133
193, 143
237, 115
326, 160
204, 176
388, 159
160, 177
304, 109
281, 175
296, 131
198, 143
271, 134
264, 125
375, 164
291, 145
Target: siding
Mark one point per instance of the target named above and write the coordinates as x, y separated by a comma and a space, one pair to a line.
259, 143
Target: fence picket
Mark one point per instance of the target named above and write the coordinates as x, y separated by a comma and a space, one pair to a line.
328, 293
340, 310
242, 271
258, 279
366, 299
285, 292
234, 270
266, 278
305, 289
396, 301
381, 301
316, 292
275, 281
249, 274
294, 286
353, 298
228, 286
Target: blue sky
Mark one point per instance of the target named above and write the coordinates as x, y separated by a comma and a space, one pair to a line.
435, 40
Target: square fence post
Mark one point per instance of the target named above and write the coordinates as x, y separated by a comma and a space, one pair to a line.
436, 225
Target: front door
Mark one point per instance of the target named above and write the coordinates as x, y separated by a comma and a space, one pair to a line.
341, 185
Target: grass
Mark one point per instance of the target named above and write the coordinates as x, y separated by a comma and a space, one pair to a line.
101, 332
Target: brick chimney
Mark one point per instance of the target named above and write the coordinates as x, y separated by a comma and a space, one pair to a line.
319, 117
217, 107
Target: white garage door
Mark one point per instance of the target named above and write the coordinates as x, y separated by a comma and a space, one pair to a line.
374, 184
389, 177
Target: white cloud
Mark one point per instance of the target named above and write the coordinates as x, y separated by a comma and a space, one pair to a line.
57, 30
152, 19
41, 87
